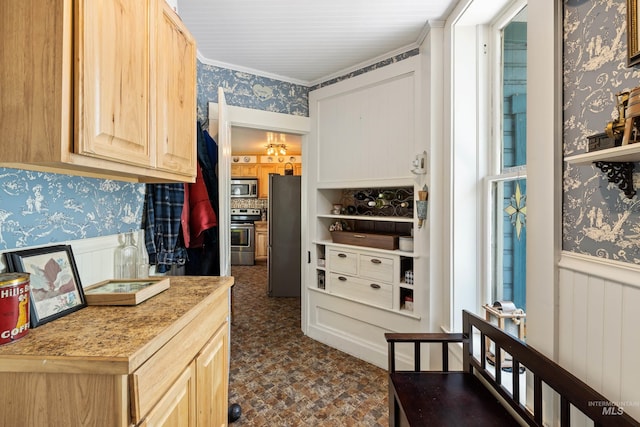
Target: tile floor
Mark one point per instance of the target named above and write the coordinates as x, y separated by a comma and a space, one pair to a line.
282, 378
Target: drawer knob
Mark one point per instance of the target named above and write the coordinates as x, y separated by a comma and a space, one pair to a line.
375, 286
342, 255
342, 278
376, 261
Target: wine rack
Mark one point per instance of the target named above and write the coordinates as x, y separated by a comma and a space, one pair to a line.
396, 202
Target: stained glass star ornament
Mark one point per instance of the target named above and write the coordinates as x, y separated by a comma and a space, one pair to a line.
517, 210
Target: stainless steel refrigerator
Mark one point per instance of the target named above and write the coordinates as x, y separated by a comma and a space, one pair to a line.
283, 259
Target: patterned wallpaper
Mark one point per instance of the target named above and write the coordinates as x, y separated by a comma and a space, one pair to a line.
249, 91
42, 208
598, 219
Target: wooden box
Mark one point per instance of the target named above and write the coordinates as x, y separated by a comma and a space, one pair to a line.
601, 141
372, 240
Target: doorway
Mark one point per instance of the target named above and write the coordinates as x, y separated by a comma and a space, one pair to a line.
240, 120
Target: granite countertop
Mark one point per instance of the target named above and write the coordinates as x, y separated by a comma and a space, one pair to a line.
112, 337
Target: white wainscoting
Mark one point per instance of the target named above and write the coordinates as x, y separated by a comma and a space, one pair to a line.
599, 326
94, 257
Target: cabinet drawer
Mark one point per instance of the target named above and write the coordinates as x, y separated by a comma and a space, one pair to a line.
367, 291
376, 267
343, 261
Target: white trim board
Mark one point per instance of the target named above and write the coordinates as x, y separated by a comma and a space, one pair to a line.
607, 269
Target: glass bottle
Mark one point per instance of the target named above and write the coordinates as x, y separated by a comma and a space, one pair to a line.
379, 203
143, 259
126, 258
386, 195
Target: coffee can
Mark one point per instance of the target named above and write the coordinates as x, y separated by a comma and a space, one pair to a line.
14, 306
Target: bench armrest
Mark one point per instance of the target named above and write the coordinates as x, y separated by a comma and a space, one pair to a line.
424, 337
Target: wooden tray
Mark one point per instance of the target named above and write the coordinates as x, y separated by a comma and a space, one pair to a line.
372, 240
125, 291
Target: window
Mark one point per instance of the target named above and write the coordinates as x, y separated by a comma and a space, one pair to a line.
506, 183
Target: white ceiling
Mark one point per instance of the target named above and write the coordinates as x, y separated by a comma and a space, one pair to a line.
304, 41
254, 141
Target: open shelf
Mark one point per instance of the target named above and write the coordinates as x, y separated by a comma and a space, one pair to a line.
367, 248
625, 153
368, 218
616, 163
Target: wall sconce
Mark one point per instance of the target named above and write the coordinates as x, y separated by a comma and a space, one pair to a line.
419, 164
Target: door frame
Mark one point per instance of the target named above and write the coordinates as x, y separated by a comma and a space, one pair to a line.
273, 122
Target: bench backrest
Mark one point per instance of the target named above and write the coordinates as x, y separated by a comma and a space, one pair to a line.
572, 391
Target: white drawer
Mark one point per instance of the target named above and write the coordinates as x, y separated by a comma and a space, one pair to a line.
362, 290
343, 261
376, 267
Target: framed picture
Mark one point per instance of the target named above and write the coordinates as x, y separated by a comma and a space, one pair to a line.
55, 285
125, 291
633, 40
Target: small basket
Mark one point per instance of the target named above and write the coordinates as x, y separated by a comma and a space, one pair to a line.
288, 171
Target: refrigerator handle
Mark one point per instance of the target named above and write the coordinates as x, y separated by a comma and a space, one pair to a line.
308, 257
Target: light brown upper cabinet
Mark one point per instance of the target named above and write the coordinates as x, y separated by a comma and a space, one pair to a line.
175, 83
103, 89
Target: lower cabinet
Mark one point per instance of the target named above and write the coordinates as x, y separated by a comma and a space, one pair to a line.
212, 388
190, 372
262, 240
199, 397
177, 408
374, 278
164, 362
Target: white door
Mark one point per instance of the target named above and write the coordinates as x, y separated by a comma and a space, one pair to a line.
224, 177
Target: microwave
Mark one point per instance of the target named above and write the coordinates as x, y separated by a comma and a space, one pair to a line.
244, 187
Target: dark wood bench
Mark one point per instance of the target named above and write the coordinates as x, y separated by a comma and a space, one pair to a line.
470, 397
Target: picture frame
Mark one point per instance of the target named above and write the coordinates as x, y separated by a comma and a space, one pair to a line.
633, 38
55, 287
125, 291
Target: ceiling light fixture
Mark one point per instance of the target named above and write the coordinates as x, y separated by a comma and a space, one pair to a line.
275, 144
279, 149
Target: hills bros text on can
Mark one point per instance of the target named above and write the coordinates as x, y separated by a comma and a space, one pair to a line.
14, 306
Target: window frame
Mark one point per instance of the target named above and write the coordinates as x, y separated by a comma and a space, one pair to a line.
495, 172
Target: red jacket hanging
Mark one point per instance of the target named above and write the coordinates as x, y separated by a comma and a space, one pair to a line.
197, 213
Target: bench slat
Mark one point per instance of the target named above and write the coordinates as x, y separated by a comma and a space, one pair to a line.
461, 399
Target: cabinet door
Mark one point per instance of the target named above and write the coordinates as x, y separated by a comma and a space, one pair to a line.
263, 180
366, 128
175, 94
261, 245
177, 408
212, 371
112, 80
244, 170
